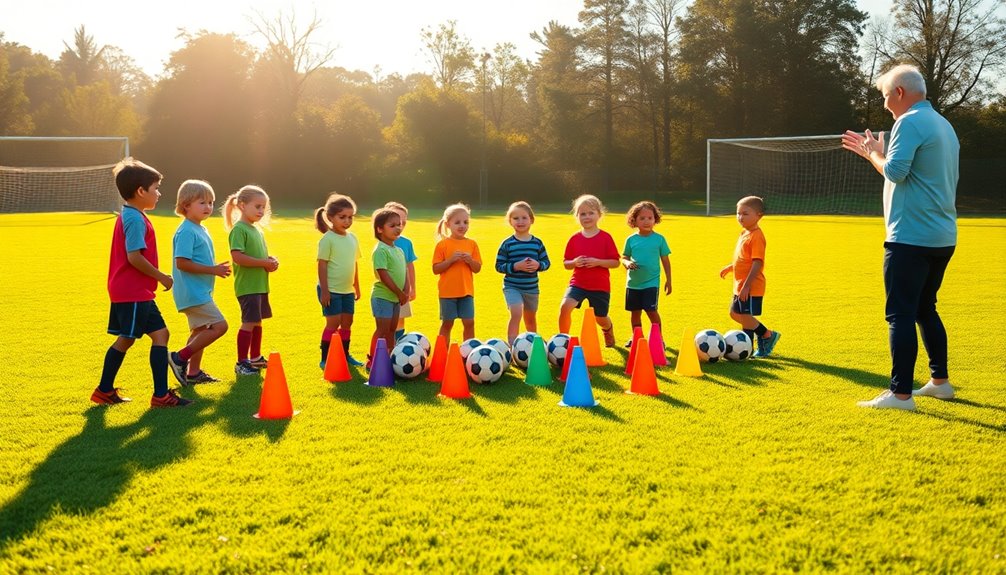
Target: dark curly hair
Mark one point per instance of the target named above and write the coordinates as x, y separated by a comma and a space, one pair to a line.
633, 213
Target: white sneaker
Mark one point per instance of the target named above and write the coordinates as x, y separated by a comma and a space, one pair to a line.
942, 391
888, 400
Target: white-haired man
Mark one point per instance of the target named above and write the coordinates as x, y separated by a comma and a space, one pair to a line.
920, 169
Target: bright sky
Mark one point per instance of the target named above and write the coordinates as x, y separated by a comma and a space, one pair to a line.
365, 33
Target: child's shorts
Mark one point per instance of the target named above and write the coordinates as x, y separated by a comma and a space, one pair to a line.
384, 309
641, 299
135, 318
254, 307
452, 308
599, 300
338, 303
203, 315
750, 307
406, 310
514, 296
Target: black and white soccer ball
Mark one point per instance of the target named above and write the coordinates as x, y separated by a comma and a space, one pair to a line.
467, 346
418, 338
522, 348
710, 345
502, 347
557, 348
408, 360
484, 364
738, 345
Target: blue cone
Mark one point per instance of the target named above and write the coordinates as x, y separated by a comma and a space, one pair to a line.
381, 374
577, 392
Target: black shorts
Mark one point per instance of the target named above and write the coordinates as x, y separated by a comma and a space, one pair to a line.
254, 307
134, 318
599, 300
641, 299
750, 307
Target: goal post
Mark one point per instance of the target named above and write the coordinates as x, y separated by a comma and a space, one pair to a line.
59, 174
795, 175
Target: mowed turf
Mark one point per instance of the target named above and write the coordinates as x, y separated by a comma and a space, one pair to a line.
761, 466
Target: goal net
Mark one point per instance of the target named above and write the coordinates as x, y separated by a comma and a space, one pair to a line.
39, 174
798, 175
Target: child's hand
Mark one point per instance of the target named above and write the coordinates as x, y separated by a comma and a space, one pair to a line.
222, 269
532, 265
273, 264
667, 287
356, 293
744, 293
590, 262
630, 264
726, 270
580, 261
403, 298
458, 255
326, 298
166, 281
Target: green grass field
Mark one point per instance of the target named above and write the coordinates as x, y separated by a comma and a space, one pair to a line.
762, 466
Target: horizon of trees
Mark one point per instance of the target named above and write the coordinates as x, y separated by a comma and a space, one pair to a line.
622, 102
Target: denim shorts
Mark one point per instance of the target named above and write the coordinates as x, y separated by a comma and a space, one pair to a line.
384, 309
339, 303
750, 307
599, 300
514, 296
452, 308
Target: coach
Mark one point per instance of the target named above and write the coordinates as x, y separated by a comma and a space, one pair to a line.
920, 170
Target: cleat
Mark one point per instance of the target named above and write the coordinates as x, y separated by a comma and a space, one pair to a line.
353, 361
767, 344
169, 399
201, 377
110, 398
259, 362
178, 367
244, 367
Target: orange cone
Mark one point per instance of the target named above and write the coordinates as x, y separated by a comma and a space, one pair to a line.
637, 334
336, 368
438, 361
688, 358
275, 403
644, 378
573, 342
455, 384
588, 339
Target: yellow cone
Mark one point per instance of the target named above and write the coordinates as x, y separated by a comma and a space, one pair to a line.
688, 359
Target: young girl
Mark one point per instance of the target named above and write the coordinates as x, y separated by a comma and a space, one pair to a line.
520, 258
590, 253
410, 267
194, 271
645, 251
338, 274
455, 259
388, 294
252, 266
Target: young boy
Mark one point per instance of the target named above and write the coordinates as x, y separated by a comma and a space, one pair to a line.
132, 284
749, 281
410, 264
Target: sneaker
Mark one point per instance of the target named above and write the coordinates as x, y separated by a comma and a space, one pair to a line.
609, 337
110, 398
201, 377
628, 344
244, 367
259, 362
942, 391
322, 366
767, 344
887, 400
169, 399
353, 361
179, 367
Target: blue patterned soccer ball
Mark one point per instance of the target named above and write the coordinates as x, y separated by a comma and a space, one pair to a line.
467, 346
710, 345
738, 345
502, 347
417, 338
557, 348
522, 348
408, 360
485, 364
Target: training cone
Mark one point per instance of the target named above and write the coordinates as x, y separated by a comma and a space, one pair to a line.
438, 361
644, 378
656, 340
588, 339
275, 403
381, 374
577, 392
336, 368
538, 372
637, 334
455, 380
573, 342
688, 358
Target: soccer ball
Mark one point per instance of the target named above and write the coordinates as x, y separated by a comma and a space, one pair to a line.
522, 348
557, 349
408, 360
710, 345
417, 338
502, 347
484, 364
738, 345
467, 346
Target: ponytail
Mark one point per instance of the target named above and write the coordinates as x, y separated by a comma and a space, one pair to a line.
320, 222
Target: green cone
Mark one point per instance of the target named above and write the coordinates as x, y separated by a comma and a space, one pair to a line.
538, 372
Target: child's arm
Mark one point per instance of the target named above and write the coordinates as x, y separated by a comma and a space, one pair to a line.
146, 268
503, 264
666, 261
410, 279
726, 270
442, 266
543, 262
326, 296
356, 280
599, 263
745, 291
390, 284
222, 269
270, 263
629, 263
473, 262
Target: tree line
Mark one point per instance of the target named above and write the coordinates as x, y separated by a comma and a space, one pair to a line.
623, 101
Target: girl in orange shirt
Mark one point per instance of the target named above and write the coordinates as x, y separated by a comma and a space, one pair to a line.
455, 259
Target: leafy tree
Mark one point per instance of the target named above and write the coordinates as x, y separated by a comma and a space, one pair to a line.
123, 75
506, 83
558, 104
451, 54
14, 116
95, 110
82, 61
661, 15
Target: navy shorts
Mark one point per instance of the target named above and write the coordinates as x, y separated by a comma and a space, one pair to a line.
135, 318
452, 308
338, 304
750, 307
641, 299
254, 307
599, 300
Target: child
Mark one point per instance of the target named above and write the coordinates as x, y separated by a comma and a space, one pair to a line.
410, 268
644, 252
520, 258
195, 271
455, 259
388, 294
749, 281
252, 266
132, 285
338, 274
590, 253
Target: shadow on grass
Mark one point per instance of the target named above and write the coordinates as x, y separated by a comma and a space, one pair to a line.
418, 391
89, 470
471, 404
858, 376
510, 391
955, 418
356, 391
238, 406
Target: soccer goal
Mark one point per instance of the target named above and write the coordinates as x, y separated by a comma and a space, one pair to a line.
59, 174
797, 175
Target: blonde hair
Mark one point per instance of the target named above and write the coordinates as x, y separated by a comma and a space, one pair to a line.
243, 196
521, 205
449, 212
191, 191
589, 201
398, 207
